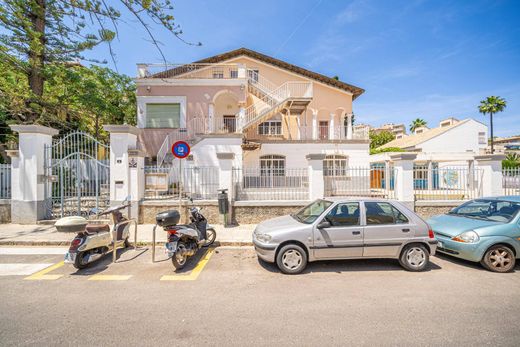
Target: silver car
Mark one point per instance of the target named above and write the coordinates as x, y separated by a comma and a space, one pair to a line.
346, 229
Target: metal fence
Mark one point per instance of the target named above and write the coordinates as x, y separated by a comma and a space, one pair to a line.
360, 181
199, 183
5, 181
256, 183
511, 181
447, 183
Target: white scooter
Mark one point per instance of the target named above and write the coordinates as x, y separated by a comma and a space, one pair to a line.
96, 240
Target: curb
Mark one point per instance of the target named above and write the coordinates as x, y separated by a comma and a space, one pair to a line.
144, 243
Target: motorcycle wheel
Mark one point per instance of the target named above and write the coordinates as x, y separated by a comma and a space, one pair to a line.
211, 235
78, 262
179, 258
127, 243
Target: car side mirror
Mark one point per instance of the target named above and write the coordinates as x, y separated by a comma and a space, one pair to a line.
323, 224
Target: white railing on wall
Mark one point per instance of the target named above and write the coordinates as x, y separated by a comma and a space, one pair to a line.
359, 181
5, 181
190, 71
447, 183
254, 183
511, 181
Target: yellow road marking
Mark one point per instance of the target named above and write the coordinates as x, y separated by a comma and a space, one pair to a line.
192, 276
109, 277
42, 275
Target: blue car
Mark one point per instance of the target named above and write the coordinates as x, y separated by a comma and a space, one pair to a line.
485, 230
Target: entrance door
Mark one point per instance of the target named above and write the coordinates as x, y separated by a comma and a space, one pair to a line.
230, 124
323, 130
344, 238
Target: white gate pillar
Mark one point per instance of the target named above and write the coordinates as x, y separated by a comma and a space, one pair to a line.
403, 165
137, 179
28, 181
491, 166
225, 161
316, 182
123, 139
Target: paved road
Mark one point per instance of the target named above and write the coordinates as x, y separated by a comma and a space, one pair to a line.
229, 298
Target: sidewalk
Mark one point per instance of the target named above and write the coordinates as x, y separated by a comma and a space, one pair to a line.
47, 235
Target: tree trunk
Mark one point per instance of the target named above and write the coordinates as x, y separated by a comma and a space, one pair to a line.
492, 140
36, 51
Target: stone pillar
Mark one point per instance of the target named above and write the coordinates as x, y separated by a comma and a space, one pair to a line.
28, 178
137, 180
403, 164
349, 126
211, 118
491, 166
314, 125
332, 130
122, 139
316, 182
225, 161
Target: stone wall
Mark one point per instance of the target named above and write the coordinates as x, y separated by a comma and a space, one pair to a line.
256, 214
5, 211
149, 209
427, 209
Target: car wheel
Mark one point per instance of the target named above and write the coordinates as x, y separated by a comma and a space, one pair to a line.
499, 258
414, 257
291, 259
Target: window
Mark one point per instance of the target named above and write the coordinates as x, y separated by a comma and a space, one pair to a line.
218, 73
383, 213
233, 73
311, 212
273, 127
272, 165
346, 214
492, 210
163, 115
253, 74
482, 138
335, 165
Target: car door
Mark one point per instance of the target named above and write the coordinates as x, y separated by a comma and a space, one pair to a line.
343, 238
386, 229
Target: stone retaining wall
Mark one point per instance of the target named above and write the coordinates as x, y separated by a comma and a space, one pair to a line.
5, 211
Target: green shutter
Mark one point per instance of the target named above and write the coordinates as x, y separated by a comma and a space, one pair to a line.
163, 115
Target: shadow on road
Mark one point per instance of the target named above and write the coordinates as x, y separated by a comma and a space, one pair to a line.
351, 265
128, 254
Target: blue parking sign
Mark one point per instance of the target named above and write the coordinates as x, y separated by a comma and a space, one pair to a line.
180, 149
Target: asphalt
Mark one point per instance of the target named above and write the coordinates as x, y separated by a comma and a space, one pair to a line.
236, 300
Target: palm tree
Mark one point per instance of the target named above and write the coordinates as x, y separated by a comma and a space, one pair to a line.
417, 123
492, 105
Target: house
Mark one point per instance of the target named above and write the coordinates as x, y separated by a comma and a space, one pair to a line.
506, 145
397, 129
269, 113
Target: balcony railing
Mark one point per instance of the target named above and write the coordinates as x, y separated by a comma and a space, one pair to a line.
323, 132
192, 71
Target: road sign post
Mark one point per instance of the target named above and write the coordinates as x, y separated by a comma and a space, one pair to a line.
180, 150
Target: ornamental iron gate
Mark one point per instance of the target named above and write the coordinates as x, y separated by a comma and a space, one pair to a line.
77, 169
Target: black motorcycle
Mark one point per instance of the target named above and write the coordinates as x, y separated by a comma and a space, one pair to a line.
184, 240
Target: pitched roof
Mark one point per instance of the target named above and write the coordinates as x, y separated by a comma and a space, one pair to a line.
410, 141
356, 91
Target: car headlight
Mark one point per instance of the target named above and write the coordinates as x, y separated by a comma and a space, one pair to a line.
467, 237
263, 237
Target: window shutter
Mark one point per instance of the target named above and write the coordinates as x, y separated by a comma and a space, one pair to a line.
163, 115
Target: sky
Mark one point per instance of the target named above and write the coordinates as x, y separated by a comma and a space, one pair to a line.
427, 59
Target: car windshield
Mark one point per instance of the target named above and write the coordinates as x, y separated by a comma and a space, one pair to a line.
311, 212
491, 210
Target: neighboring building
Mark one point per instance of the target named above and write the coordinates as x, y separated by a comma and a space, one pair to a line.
506, 144
398, 130
452, 136
269, 113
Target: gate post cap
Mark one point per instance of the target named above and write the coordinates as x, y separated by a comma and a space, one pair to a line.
122, 129
33, 129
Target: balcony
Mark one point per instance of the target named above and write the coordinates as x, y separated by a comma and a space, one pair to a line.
192, 71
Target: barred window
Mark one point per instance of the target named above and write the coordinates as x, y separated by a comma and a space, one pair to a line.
270, 128
335, 165
272, 165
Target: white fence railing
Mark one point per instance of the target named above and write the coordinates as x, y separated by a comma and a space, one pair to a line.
5, 181
447, 183
511, 181
359, 181
271, 183
189, 71
195, 182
